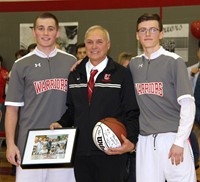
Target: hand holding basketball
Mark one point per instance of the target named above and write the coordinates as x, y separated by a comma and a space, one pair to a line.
107, 133
127, 146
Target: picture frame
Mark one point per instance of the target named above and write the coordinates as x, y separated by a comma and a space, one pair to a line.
45, 148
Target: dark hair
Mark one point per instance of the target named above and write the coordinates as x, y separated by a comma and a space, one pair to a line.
148, 16
31, 46
20, 52
79, 46
44, 16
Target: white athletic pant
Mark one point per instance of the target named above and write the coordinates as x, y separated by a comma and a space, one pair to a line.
153, 165
45, 175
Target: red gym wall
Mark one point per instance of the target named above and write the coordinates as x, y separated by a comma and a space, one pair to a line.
61, 5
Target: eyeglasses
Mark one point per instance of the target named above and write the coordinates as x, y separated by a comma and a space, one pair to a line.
152, 30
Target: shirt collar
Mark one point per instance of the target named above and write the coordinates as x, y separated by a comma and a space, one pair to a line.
156, 54
100, 67
43, 55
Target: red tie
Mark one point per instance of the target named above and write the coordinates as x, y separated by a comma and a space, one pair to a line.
91, 84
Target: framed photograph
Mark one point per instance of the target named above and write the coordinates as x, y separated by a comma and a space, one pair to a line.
47, 148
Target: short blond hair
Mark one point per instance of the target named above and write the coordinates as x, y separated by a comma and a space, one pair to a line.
124, 56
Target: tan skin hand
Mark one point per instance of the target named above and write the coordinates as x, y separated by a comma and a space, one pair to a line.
127, 146
195, 70
55, 125
176, 154
75, 65
13, 155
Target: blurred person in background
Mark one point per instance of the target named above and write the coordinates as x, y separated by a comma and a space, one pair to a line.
3, 80
80, 51
31, 47
124, 58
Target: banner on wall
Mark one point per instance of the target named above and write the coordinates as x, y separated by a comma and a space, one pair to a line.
176, 39
67, 40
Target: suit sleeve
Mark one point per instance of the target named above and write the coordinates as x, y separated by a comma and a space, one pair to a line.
130, 107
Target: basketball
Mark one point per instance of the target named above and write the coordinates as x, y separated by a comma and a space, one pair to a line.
107, 133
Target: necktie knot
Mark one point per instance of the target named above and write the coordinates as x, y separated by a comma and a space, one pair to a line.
91, 84
93, 73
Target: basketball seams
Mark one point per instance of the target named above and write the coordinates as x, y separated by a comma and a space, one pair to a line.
110, 121
103, 136
95, 134
115, 122
116, 134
